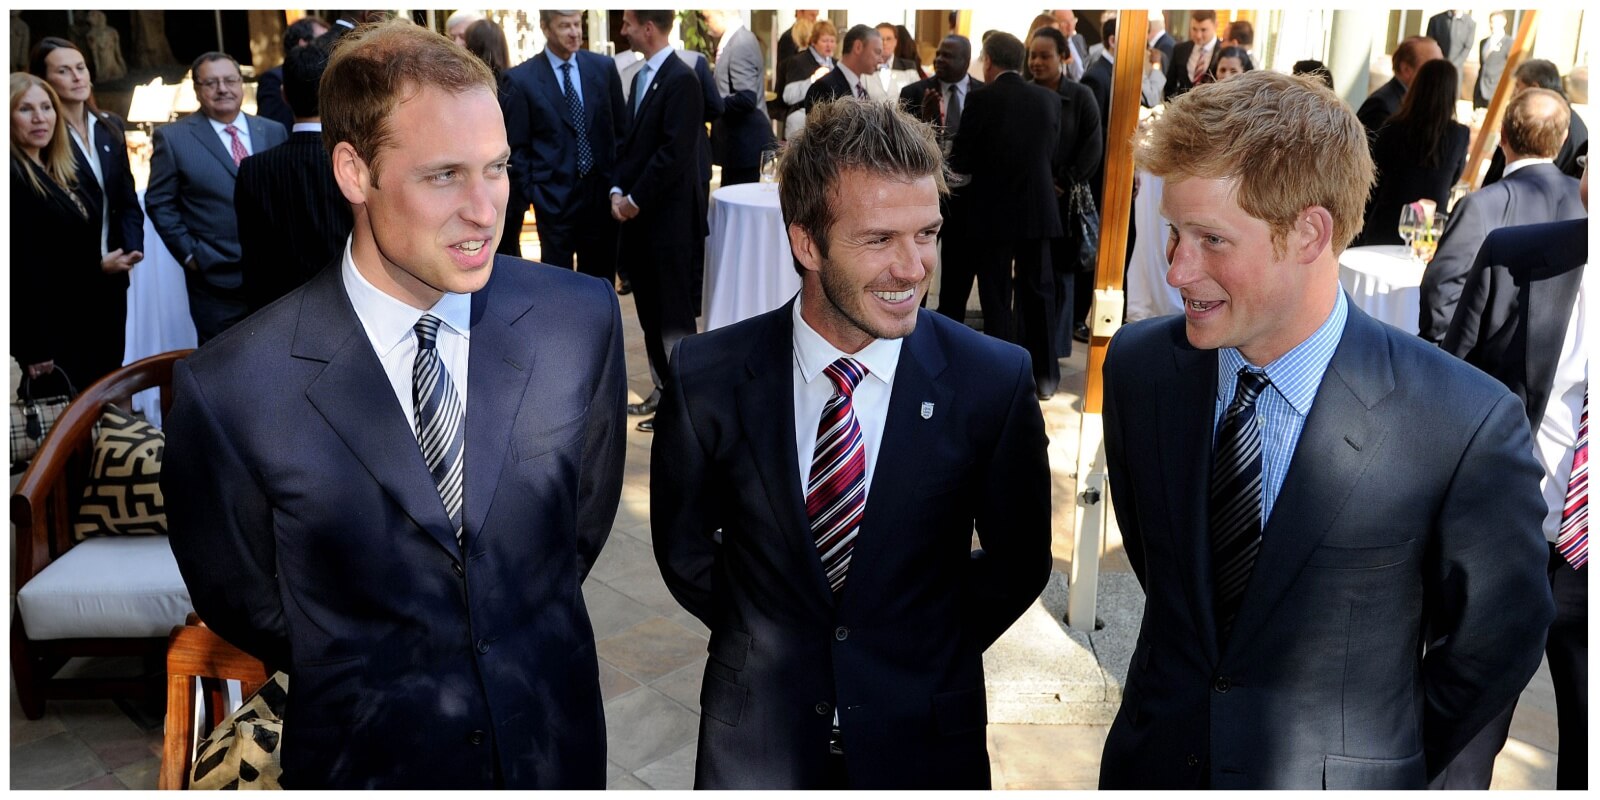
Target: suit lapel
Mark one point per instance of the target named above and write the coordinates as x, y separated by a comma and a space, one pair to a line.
89, 189
500, 364
209, 141
353, 394
655, 80
900, 454
1546, 314
766, 414
1185, 427
258, 135
552, 87
1337, 446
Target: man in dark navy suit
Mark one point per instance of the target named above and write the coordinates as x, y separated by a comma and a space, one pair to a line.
564, 151
817, 477
1408, 57
392, 482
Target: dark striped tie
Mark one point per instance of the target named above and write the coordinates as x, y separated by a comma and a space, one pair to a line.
836, 494
439, 416
1236, 500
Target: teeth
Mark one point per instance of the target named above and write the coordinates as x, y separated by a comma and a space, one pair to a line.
895, 297
1200, 305
470, 248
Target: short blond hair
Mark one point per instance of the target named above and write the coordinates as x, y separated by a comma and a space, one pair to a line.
1288, 141
1535, 123
820, 29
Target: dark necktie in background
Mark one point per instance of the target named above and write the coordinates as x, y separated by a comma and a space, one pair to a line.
952, 112
1235, 513
580, 125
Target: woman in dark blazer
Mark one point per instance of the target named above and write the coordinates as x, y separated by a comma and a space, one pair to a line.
1419, 152
486, 41
68, 303
1078, 154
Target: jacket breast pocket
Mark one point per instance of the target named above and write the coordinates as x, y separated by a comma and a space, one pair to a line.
722, 700
729, 648
1329, 557
550, 439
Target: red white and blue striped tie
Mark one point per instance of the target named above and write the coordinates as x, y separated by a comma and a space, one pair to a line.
836, 493
1573, 543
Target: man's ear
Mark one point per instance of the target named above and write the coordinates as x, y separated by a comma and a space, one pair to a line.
352, 174
1312, 234
805, 248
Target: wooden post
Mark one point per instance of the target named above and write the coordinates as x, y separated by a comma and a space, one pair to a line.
1488, 134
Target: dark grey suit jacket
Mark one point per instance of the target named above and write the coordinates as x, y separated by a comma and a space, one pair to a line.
1516, 306
1399, 600
1535, 193
311, 534
899, 655
190, 196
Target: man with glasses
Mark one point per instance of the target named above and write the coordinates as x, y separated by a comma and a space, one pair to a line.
190, 200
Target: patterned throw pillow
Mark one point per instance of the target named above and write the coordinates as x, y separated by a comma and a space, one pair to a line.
242, 752
123, 495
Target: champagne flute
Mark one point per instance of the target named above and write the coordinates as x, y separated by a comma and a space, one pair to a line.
769, 164
1410, 227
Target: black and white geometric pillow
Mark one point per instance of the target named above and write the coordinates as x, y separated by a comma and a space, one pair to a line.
243, 752
123, 495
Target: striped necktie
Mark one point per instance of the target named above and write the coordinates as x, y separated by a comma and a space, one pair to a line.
1235, 512
836, 494
1573, 542
439, 417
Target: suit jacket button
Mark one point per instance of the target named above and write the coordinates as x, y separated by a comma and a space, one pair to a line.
475, 738
841, 633
460, 573
823, 709
1192, 760
1222, 685
483, 645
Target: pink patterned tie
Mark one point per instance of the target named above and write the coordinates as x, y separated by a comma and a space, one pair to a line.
239, 153
861, 90
1573, 543
836, 494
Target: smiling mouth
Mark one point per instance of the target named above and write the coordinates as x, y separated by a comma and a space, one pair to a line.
471, 248
1203, 305
895, 297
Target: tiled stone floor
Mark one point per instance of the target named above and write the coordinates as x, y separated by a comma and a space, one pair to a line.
652, 654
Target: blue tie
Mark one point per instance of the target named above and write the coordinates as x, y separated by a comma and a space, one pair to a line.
575, 108
641, 84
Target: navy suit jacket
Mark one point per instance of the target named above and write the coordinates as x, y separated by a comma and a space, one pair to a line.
658, 165
1381, 105
1178, 78
311, 534
1098, 80
293, 219
1516, 306
125, 226
1009, 133
1535, 193
900, 654
738, 136
190, 196
1399, 599
544, 140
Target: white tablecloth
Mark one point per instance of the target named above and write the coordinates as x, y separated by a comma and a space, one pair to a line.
1384, 282
1147, 289
749, 269
158, 312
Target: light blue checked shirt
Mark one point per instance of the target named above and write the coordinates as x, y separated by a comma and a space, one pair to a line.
1283, 407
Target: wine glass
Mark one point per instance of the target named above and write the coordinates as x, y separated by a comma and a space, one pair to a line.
769, 164
1429, 235
1410, 226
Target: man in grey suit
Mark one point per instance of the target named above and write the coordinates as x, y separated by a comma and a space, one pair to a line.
1345, 576
743, 130
1533, 190
193, 168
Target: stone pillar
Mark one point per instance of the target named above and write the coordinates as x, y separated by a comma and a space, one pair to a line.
1350, 51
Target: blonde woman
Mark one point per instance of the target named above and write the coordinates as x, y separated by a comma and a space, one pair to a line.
68, 306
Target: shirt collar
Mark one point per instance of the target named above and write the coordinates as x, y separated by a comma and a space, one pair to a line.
813, 353
1524, 162
963, 84
387, 321
1295, 375
820, 58
307, 127
654, 62
238, 123
849, 76
556, 61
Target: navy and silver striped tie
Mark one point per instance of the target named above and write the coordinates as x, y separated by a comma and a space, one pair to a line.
439, 418
1235, 512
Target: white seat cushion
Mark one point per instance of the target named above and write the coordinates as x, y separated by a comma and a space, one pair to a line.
123, 587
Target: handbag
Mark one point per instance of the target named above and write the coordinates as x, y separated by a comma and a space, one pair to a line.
1083, 225
33, 417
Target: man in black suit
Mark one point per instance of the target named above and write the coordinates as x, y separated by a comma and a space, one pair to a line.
564, 151
743, 130
293, 220
1157, 38
1492, 52
1006, 146
392, 483
1077, 48
1194, 57
938, 100
1523, 319
1098, 77
1336, 525
855, 73
1455, 32
1539, 73
654, 194
1534, 126
817, 478
194, 164
1408, 57
270, 100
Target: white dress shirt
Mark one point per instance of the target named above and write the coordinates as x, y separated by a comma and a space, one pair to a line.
1558, 431
1523, 162
88, 148
577, 80
306, 127
238, 124
813, 389
388, 325
873, 92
